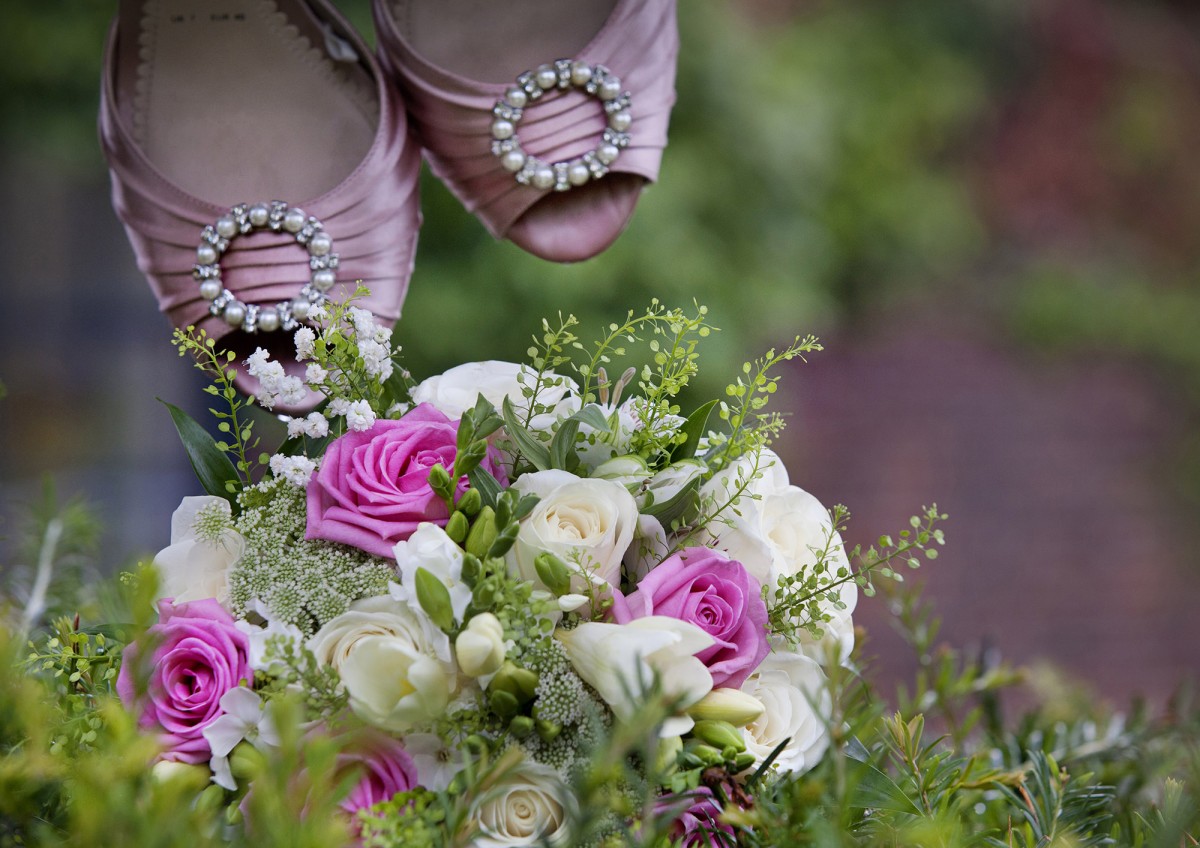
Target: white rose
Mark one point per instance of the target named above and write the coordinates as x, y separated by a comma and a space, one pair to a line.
194, 568
617, 660
837, 635
456, 391
379, 616
796, 707
781, 534
524, 809
757, 474
588, 524
430, 548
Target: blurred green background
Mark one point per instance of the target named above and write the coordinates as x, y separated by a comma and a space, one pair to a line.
990, 211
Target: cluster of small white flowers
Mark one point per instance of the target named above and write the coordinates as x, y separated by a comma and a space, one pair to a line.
274, 384
315, 375
359, 415
303, 583
314, 426
377, 359
295, 469
374, 343
305, 339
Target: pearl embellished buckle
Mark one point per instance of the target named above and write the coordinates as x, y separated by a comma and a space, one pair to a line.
278, 217
528, 169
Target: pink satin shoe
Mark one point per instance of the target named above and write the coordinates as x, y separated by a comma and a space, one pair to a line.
260, 164
545, 118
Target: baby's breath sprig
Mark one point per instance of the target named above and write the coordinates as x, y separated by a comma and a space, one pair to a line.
352, 358
750, 427
239, 441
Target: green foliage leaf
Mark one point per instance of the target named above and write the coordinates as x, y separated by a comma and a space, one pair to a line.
488, 486
533, 450
694, 428
213, 468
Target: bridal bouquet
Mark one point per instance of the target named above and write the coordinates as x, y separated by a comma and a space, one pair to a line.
475, 581
530, 604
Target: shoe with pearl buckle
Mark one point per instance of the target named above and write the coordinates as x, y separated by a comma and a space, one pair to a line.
548, 152
210, 113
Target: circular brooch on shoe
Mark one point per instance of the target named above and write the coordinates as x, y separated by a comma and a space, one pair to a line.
278, 217
562, 74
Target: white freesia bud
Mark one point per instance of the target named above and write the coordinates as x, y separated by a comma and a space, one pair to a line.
619, 660
480, 646
725, 704
197, 563
165, 771
588, 524
796, 709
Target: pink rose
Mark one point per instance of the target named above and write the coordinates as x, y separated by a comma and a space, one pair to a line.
372, 490
708, 589
699, 825
199, 655
385, 769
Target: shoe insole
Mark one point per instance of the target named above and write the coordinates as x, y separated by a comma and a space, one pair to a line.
242, 100
495, 40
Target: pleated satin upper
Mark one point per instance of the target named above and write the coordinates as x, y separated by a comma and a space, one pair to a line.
453, 115
372, 216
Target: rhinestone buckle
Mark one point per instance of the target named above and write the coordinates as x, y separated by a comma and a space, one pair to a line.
278, 217
562, 74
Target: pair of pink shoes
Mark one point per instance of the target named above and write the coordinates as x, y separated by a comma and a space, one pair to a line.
262, 159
